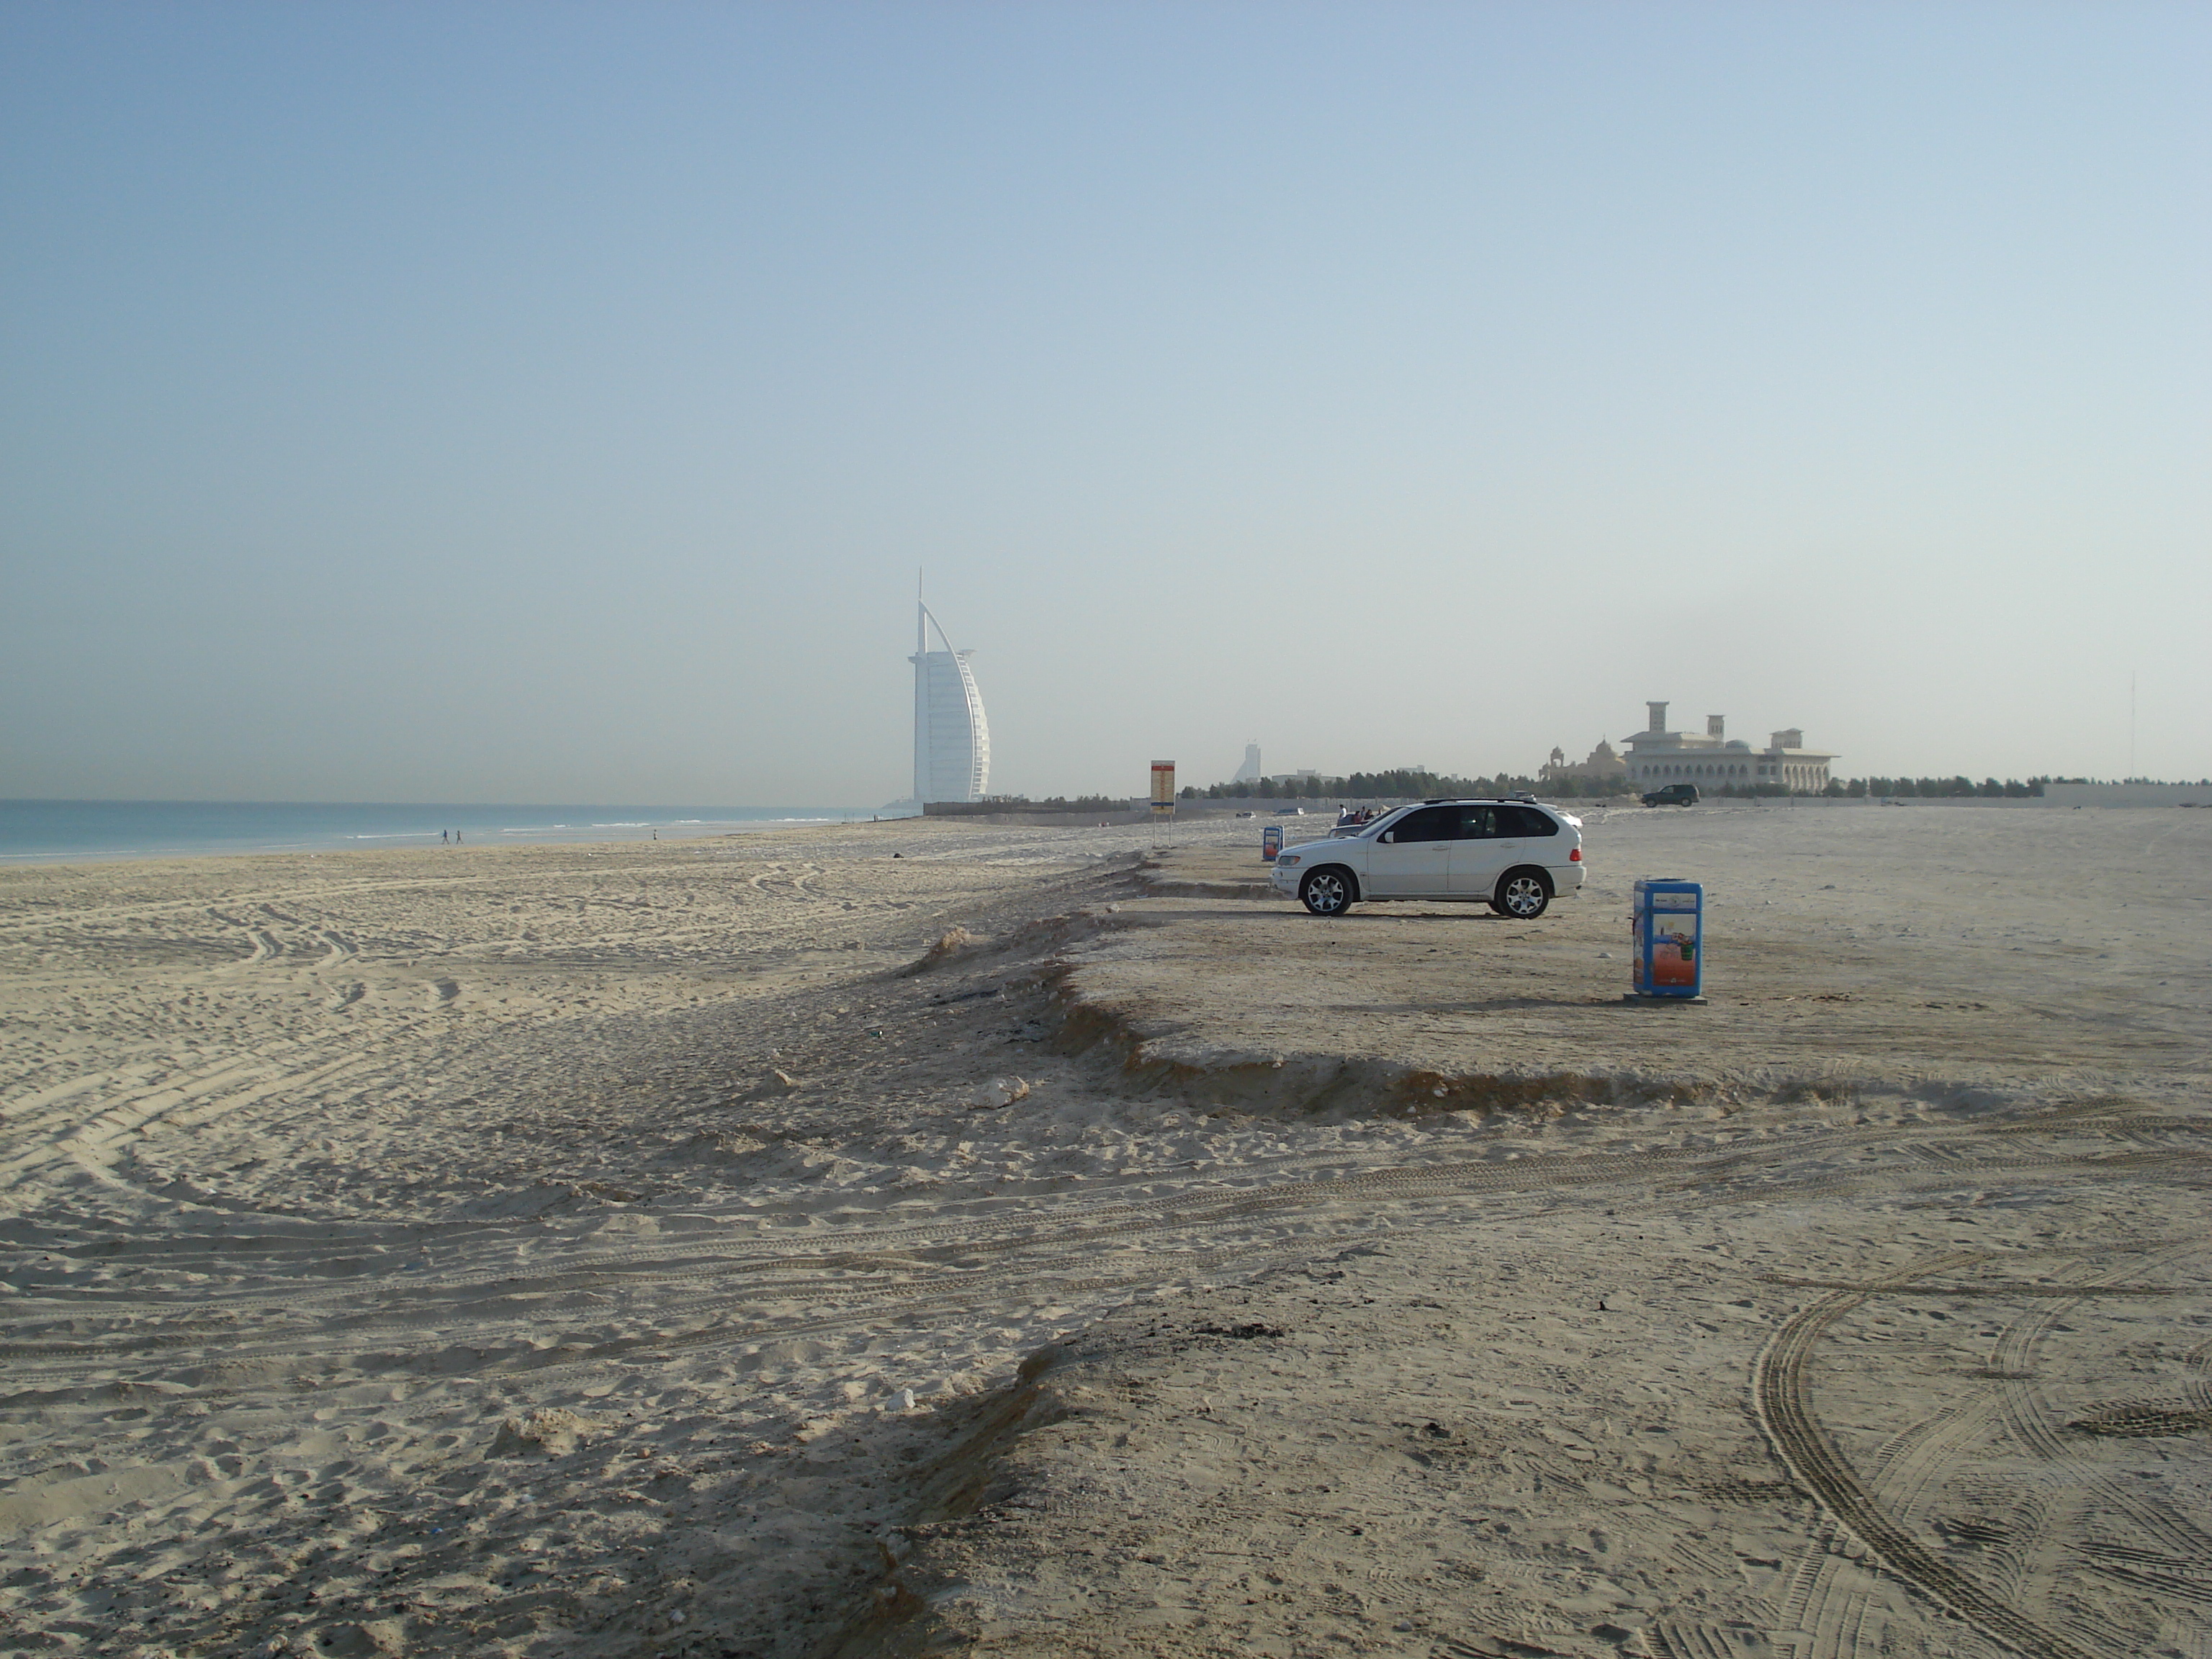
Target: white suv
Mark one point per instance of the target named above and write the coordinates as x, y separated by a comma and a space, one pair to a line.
1513, 855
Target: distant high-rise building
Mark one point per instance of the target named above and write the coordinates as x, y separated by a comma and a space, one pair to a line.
1250, 772
952, 738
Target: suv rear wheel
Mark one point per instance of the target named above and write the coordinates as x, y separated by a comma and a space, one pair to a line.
1521, 895
1328, 892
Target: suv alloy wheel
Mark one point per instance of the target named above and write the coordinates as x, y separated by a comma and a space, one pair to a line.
1521, 895
1327, 891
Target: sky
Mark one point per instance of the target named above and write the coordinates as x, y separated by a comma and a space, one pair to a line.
557, 402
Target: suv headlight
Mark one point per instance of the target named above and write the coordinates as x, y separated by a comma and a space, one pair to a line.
1286, 860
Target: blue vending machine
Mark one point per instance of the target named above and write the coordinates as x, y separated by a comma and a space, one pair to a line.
1669, 930
1271, 842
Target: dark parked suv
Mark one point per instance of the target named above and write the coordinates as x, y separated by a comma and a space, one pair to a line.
1672, 795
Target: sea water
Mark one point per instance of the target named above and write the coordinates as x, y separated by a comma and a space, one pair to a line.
50, 831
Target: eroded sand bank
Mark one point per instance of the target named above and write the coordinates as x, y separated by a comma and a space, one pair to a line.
532, 1251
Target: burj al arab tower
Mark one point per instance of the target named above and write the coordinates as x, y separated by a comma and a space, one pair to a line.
952, 738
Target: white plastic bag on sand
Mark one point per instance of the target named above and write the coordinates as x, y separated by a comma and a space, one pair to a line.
999, 1092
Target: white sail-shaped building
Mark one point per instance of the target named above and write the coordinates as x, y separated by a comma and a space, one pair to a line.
952, 738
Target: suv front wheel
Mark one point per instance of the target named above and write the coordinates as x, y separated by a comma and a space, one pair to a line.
1326, 892
1521, 895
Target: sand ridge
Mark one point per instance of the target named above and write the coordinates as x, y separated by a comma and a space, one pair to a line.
1895, 1343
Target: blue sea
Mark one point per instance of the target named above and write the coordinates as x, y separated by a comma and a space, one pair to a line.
56, 831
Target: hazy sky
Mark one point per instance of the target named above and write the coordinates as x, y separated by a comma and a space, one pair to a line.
554, 402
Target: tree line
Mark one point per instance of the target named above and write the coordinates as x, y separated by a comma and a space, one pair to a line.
1401, 783
1952, 788
2010, 789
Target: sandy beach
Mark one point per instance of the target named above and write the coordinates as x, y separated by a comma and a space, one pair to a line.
920, 1238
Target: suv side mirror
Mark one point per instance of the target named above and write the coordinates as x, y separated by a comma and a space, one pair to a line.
1390, 834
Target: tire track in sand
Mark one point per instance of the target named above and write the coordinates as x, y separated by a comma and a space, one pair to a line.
860, 1262
1781, 1391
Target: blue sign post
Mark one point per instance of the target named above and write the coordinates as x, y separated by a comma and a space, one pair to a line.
1271, 842
1669, 935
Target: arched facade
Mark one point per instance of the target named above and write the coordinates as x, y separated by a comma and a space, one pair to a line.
1713, 760
951, 735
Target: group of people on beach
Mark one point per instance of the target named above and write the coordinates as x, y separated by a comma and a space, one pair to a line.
454, 834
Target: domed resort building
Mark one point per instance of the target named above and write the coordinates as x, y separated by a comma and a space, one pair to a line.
1713, 760
951, 737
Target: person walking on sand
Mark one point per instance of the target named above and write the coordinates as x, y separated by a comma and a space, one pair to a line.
444, 836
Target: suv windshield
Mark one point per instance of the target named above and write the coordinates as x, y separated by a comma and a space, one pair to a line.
1386, 821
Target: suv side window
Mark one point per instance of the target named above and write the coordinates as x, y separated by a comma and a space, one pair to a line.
1478, 823
1429, 823
1526, 821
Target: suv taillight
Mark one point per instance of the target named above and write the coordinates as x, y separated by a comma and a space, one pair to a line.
1575, 856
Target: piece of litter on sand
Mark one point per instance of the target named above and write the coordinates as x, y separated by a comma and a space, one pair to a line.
999, 1092
901, 1399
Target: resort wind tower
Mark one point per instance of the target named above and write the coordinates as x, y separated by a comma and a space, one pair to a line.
952, 738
